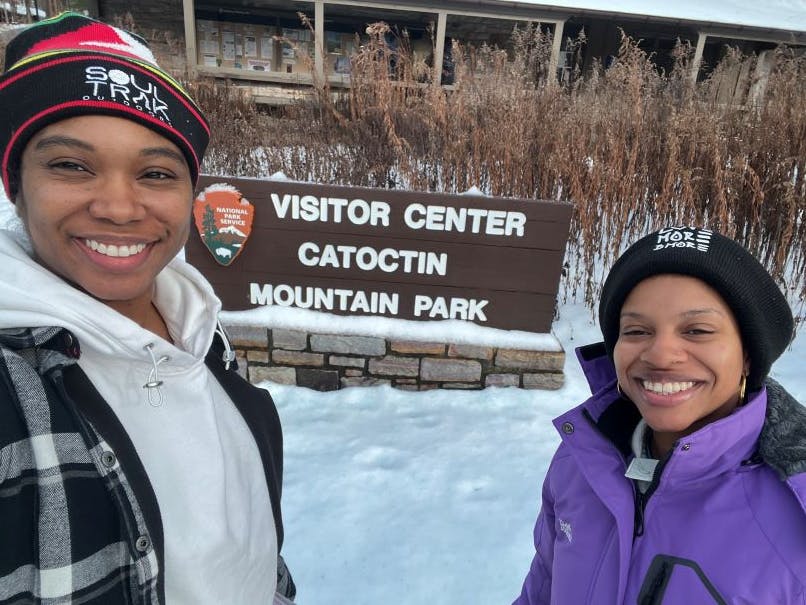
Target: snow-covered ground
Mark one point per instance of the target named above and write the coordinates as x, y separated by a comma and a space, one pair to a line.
428, 498
424, 498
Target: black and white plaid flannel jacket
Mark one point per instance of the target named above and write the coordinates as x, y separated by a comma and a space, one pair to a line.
61, 484
73, 526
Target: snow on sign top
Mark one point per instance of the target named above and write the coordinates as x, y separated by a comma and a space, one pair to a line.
787, 15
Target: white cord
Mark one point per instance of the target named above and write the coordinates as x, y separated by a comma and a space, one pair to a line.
229, 354
154, 383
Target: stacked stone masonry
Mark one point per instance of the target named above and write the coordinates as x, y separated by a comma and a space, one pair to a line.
327, 362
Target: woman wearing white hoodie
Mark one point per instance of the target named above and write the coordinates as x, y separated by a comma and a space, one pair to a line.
136, 466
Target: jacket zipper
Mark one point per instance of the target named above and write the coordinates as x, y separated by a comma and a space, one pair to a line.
641, 499
640, 503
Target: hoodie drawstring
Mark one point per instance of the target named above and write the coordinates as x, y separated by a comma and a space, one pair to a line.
229, 355
154, 383
155, 397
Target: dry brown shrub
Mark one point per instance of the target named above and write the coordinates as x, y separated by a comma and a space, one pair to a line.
631, 148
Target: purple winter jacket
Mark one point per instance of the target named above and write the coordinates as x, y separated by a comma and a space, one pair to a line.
723, 522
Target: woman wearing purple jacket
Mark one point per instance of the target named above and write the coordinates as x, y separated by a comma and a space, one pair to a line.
682, 480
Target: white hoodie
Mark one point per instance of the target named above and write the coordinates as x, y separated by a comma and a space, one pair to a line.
201, 458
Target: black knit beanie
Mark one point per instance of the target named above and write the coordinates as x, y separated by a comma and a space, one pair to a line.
763, 315
71, 66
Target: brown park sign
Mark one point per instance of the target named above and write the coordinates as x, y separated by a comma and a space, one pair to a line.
389, 253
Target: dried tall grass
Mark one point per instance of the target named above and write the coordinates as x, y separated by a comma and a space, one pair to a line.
631, 148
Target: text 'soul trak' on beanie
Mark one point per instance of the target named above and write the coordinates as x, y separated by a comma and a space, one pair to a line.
762, 312
71, 66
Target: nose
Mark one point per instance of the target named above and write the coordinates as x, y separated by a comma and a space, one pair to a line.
117, 200
663, 350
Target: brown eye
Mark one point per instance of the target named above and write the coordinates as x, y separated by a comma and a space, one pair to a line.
632, 331
66, 165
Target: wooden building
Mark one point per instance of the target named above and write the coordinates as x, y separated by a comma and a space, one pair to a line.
265, 43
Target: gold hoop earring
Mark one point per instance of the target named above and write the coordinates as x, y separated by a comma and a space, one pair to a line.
620, 391
742, 389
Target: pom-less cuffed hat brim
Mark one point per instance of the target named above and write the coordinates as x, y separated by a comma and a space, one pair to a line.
763, 315
72, 66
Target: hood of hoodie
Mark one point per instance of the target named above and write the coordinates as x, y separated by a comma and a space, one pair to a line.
33, 296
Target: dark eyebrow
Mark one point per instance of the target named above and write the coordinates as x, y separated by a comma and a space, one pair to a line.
689, 313
703, 311
59, 140
165, 152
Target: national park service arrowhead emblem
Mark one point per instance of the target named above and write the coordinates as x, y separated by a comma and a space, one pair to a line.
223, 217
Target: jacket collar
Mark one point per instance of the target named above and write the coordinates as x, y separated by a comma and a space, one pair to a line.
45, 348
783, 440
596, 365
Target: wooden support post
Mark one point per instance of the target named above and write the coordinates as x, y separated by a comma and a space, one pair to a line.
191, 59
319, 44
439, 46
556, 46
695, 65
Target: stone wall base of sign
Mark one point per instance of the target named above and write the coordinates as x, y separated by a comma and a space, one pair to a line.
327, 362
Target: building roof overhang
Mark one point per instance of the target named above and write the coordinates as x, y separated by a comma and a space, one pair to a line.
717, 24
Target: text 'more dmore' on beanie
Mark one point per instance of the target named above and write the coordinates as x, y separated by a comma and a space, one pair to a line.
71, 66
762, 312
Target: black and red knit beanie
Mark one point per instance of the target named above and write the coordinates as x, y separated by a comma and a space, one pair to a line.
761, 310
71, 66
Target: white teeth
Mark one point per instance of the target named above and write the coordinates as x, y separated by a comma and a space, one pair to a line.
667, 388
113, 250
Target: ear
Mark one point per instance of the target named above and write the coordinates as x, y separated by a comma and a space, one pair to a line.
746, 364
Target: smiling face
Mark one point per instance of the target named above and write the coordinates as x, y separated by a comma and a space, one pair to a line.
107, 205
679, 355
